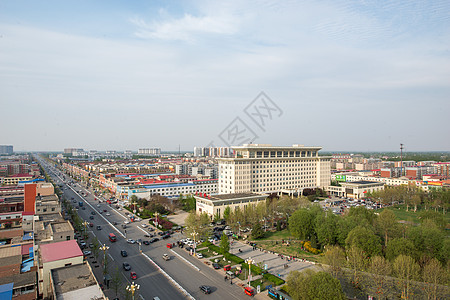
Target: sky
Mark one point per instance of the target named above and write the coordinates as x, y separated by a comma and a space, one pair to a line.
123, 75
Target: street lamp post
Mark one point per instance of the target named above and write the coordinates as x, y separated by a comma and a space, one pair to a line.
194, 234
133, 288
85, 223
249, 261
104, 248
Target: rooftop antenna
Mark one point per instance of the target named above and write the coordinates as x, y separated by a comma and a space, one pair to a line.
401, 160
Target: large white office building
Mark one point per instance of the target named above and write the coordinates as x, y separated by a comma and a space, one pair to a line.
263, 168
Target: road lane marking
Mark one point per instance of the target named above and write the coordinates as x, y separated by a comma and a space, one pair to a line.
111, 256
185, 260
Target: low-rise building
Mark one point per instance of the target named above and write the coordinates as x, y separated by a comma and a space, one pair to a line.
355, 189
215, 205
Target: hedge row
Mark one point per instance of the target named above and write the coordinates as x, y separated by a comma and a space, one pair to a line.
255, 269
233, 258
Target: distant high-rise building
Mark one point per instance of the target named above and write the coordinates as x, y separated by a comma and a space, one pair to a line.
6, 149
72, 150
213, 151
150, 151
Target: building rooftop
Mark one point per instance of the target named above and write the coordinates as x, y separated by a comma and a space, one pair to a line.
362, 182
75, 282
22, 279
60, 250
61, 227
10, 255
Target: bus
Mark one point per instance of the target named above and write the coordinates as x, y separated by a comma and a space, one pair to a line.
112, 237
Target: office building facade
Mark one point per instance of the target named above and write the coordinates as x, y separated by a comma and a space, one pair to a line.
263, 168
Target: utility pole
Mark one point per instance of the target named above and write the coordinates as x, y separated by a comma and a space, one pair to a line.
401, 160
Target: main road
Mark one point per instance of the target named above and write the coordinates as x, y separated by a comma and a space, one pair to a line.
178, 278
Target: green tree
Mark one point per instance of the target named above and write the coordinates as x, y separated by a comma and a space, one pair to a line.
433, 276
357, 260
198, 224
407, 270
308, 285
301, 223
379, 269
224, 244
257, 231
326, 229
95, 247
386, 223
364, 239
116, 281
335, 258
398, 246
226, 213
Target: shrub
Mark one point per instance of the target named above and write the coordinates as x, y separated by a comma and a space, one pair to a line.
233, 258
255, 269
309, 248
274, 279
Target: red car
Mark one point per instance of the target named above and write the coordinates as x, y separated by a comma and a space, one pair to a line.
133, 275
91, 224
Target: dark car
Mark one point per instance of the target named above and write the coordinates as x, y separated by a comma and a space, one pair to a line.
166, 236
146, 242
91, 217
205, 289
188, 248
139, 241
216, 266
154, 240
126, 266
161, 233
123, 253
99, 227
92, 212
83, 208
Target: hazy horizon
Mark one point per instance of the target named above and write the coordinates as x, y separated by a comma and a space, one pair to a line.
119, 75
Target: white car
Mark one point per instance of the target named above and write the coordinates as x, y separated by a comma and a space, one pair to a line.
131, 241
144, 225
199, 255
126, 222
108, 214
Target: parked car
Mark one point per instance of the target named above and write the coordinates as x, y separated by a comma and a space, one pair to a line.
126, 266
146, 242
99, 227
205, 289
131, 241
154, 240
166, 256
87, 252
216, 266
133, 275
91, 217
199, 255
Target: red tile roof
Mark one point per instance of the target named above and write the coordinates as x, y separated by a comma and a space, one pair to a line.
60, 251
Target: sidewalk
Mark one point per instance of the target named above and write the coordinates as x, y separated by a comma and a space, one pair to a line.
275, 262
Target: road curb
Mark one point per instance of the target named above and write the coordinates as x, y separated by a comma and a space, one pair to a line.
191, 264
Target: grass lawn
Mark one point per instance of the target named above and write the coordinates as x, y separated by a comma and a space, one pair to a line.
222, 262
206, 252
401, 213
262, 282
293, 250
277, 235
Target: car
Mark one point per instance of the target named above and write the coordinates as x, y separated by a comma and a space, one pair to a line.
166, 256
205, 289
99, 227
87, 252
133, 275
83, 208
114, 223
199, 255
93, 213
154, 240
126, 222
139, 241
91, 245
91, 217
123, 253
108, 214
91, 224
98, 205
126, 266
82, 245
216, 266
104, 210
144, 225
131, 241
188, 249
146, 242
166, 236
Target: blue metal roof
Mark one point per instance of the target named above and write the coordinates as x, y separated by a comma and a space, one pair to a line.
158, 186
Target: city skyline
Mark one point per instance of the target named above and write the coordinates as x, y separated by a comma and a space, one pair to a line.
111, 75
